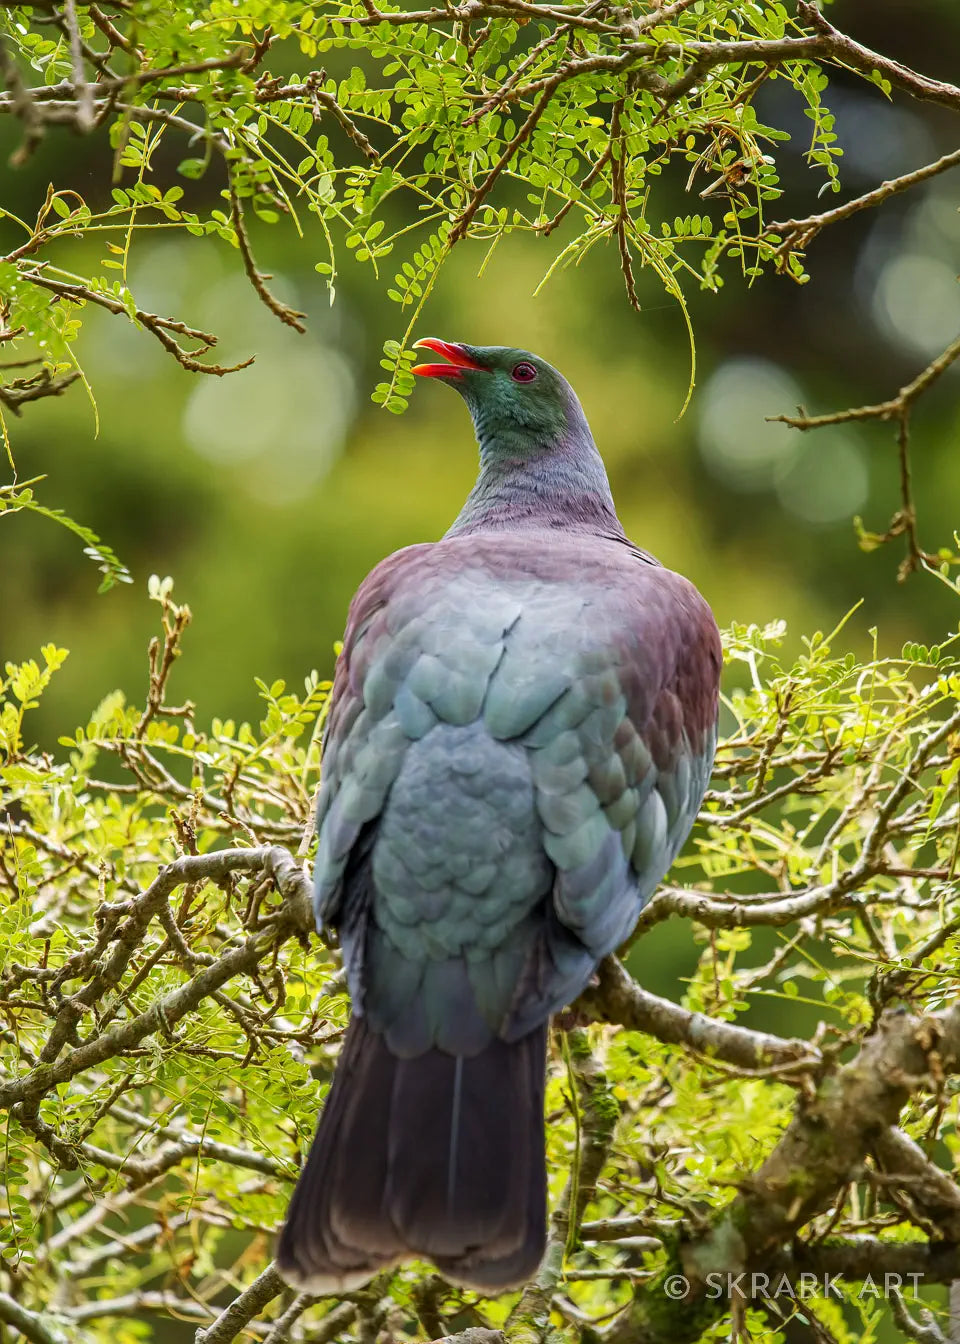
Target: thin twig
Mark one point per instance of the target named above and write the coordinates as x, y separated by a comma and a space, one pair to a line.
801, 232
463, 220
289, 316
82, 91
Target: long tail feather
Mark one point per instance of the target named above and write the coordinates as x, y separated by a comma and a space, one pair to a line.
439, 1157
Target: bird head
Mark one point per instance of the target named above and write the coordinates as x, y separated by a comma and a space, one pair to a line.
507, 391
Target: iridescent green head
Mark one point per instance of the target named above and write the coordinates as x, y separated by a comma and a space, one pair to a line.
510, 393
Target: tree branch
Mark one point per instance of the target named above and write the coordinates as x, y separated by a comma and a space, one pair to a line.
596, 1114
618, 998
890, 409
464, 219
242, 1309
30, 1324
862, 59
825, 1141
160, 327
286, 314
920, 1332
85, 117
827, 43
899, 408
293, 918
15, 394
930, 1189
801, 232
163, 1303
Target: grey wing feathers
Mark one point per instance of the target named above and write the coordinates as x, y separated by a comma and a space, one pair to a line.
600, 708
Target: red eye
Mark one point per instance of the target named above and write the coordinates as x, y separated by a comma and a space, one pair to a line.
524, 373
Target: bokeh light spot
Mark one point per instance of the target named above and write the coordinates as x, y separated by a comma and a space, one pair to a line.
826, 480
285, 417
736, 442
917, 300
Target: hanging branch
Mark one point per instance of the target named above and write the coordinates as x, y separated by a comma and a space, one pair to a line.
898, 408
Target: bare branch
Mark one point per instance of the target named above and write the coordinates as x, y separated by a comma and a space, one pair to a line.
160, 327
881, 410
618, 998
596, 1117
19, 101
340, 1318
16, 393
30, 1324
862, 59
801, 232
287, 315
904, 522
82, 91
929, 1188
164, 1303
242, 1309
925, 1332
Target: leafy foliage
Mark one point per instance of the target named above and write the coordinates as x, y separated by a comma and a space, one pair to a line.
422, 128
445, 130
150, 1146
15, 497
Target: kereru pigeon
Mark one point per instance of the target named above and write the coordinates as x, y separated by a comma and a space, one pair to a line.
521, 730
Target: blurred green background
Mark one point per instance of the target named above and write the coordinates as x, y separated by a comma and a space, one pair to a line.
268, 494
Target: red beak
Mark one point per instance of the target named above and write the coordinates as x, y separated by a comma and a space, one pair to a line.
456, 354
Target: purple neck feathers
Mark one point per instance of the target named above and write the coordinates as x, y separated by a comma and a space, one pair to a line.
560, 484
